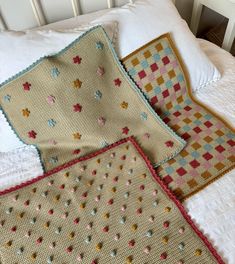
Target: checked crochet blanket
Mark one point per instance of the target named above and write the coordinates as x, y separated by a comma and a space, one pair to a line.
80, 100
210, 150
107, 207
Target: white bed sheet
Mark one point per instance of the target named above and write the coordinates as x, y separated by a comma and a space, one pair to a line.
213, 209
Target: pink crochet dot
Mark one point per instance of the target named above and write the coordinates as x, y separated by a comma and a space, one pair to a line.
123, 209
79, 257
128, 182
101, 121
51, 99
117, 237
139, 211
155, 192
146, 136
97, 198
83, 168
147, 250
100, 71
151, 218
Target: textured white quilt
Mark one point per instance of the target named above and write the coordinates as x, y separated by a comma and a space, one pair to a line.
213, 209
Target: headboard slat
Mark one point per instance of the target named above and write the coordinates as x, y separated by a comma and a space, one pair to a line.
76, 7
38, 12
3, 24
110, 3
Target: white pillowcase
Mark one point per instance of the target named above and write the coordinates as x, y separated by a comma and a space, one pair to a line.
19, 49
145, 20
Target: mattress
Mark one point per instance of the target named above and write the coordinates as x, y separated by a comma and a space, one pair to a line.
213, 209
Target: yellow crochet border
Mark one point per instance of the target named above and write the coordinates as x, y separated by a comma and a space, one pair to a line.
190, 93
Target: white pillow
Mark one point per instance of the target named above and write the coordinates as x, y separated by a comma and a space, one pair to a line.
19, 49
145, 20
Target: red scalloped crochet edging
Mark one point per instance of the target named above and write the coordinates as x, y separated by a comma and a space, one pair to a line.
152, 171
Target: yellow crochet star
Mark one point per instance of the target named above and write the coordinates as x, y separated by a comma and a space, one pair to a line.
26, 112
77, 84
124, 105
77, 136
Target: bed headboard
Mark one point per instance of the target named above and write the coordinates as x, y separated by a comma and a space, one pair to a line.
25, 14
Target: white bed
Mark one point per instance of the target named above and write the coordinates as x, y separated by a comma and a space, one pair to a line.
213, 209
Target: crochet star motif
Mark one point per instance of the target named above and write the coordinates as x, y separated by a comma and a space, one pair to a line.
77, 136
26, 86
77, 60
99, 45
77, 108
125, 130
117, 82
124, 105
169, 144
77, 83
25, 112
32, 134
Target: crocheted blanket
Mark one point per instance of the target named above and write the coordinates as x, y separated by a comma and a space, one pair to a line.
210, 151
80, 100
107, 207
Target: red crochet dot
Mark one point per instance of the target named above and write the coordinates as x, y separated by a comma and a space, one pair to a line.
51, 212
163, 255
39, 240
84, 195
110, 202
26, 203
142, 187
76, 221
131, 243
62, 186
166, 224
106, 229
123, 157
93, 172
69, 249
13, 229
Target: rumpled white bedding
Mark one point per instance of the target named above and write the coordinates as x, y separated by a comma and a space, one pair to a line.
213, 209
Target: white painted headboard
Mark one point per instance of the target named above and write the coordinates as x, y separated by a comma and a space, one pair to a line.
25, 14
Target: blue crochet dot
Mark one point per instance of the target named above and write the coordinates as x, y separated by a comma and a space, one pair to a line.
99, 45
53, 160
7, 98
51, 122
55, 72
104, 144
143, 116
98, 95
